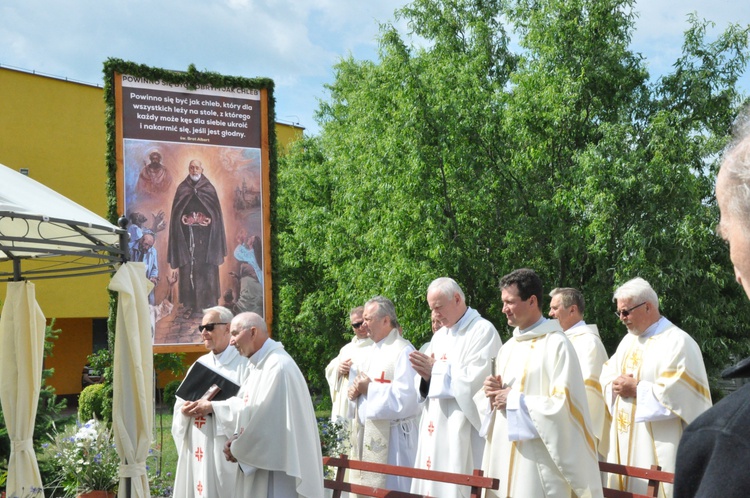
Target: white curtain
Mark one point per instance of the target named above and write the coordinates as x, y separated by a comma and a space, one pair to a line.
133, 403
22, 327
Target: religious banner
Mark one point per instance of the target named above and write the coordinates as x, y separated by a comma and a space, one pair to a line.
193, 181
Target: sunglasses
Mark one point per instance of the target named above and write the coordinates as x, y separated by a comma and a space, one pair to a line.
210, 326
357, 325
626, 313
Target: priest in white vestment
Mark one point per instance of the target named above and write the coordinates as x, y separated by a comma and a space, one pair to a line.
540, 442
201, 428
654, 385
385, 400
567, 307
348, 359
276, 443
451, 370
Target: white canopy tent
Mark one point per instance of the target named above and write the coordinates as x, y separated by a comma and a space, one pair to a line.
45, 235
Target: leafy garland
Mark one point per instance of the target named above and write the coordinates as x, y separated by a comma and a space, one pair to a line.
191, 79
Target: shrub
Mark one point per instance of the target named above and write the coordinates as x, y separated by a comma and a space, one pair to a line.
168, 399
91, 403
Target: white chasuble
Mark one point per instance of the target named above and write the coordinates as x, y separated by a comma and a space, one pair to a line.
386, 425
670, 362
560, 459
202, 470
592, 355
277, 447
448, 434
339, 385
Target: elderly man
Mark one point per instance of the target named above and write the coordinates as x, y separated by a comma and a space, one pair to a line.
451, 370
348, 360
276, 442
143, 251
539, 436
200, 428
654, 385
386, 399
197, 243
713, 447
567, 307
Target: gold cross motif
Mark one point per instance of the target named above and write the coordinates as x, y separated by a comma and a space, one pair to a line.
623, 422
633, 362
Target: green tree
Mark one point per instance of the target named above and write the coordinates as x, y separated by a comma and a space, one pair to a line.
462, 154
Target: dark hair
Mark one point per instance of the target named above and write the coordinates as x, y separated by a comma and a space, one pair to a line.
528, 284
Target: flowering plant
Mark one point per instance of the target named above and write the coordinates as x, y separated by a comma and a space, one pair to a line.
334, 436
85, 458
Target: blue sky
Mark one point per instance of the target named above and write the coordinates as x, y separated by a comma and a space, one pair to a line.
294, 42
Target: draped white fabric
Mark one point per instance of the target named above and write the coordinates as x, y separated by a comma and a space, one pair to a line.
22, 326
133, 404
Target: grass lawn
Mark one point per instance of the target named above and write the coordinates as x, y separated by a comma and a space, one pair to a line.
166, 452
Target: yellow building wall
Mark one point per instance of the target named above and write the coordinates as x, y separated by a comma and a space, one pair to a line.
56, 129
69, 354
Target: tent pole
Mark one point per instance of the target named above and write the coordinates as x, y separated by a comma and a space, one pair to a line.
17, 270
122, 222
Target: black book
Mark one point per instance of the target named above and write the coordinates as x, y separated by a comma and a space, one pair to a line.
200, 379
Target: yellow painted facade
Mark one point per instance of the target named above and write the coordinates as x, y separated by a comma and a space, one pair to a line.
56, 129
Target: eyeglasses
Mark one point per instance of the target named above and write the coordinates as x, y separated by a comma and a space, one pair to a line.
357, 325
210, 326
626, 313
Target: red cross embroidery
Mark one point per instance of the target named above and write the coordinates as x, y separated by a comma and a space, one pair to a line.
382, 379
429, 463
246, 398
199, 487
199, 454
199, 422
431, 428
444, 357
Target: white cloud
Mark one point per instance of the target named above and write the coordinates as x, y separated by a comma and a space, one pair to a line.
294, 42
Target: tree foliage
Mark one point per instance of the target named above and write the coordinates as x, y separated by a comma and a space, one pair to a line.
462, 153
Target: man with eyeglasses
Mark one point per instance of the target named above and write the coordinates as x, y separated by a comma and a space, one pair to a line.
451, 369
200, 428
654, 386
713, 451
347, 362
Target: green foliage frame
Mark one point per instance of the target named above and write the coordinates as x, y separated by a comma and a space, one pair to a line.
191, 79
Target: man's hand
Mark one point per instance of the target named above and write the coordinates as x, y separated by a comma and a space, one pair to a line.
361, 383
625, 386
500, 401
228, 449
493, 389
199, 408
422, 364
352, 393
344, 367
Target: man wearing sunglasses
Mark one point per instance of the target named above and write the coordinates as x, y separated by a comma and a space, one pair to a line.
349, 358
199, 428
654, 386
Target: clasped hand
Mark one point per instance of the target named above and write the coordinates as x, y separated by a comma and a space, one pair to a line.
422, 364
493, 389
359, 386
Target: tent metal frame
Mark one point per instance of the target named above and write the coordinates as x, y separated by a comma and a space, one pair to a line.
58, 257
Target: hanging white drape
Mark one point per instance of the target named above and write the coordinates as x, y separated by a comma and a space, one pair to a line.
22, 327
133, 404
